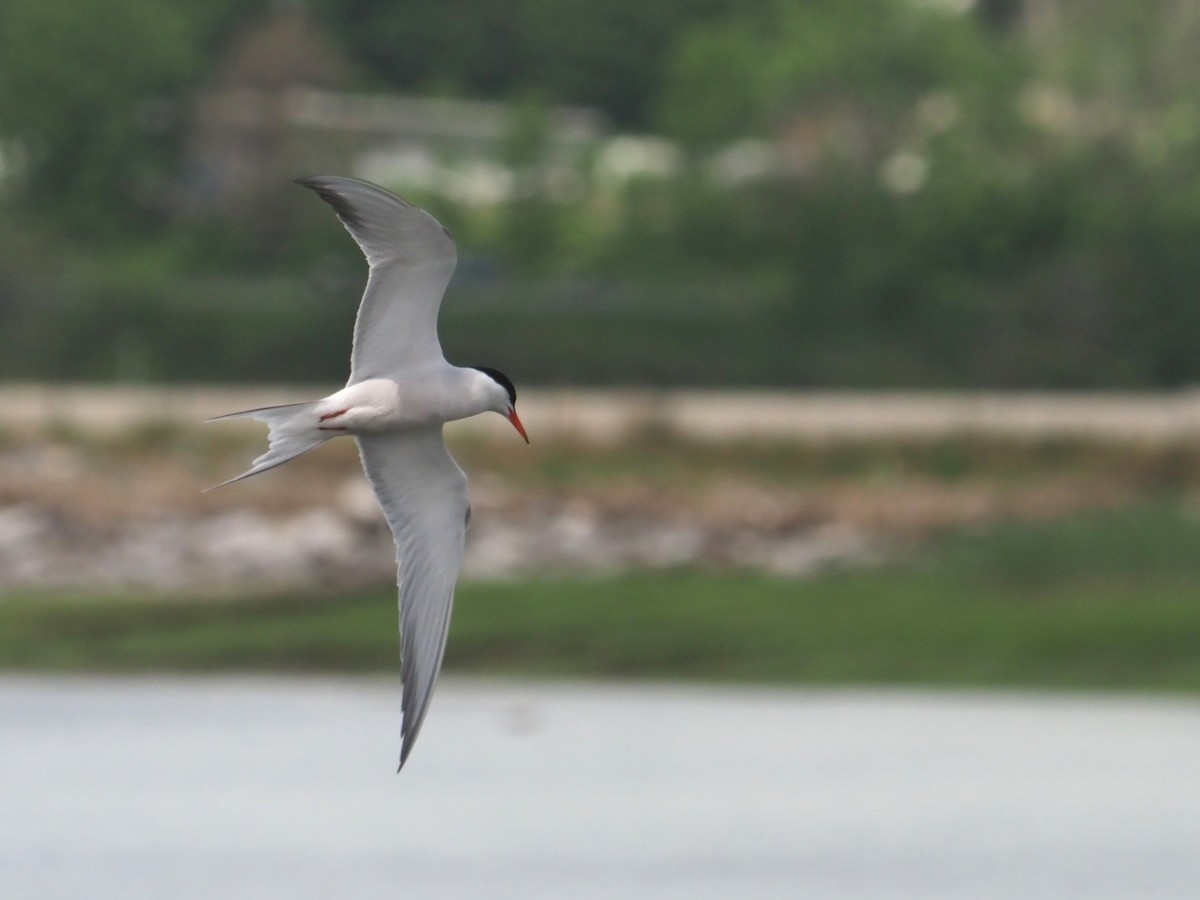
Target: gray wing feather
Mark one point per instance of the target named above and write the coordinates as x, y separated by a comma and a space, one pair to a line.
411, 258
423, 493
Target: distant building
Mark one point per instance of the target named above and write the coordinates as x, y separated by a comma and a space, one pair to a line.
275, 110
242, 149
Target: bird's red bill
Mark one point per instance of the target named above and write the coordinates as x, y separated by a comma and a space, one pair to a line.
516, 423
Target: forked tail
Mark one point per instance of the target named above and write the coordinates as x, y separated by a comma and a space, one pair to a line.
293, 430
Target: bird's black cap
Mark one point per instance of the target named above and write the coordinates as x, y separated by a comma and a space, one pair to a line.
501, 379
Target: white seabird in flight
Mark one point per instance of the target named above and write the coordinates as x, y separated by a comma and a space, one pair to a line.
400, 393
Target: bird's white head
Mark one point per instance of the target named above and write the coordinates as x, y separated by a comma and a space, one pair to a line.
502, 396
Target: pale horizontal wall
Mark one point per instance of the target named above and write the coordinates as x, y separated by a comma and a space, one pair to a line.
708, 415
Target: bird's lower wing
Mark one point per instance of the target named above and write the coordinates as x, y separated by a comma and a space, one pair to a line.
423, 493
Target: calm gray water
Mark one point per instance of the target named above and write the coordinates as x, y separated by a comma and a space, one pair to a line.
261, 788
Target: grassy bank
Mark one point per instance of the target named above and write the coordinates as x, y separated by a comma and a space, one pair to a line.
1107, 600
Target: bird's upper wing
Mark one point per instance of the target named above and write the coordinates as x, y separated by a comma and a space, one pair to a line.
411, 256
423, 493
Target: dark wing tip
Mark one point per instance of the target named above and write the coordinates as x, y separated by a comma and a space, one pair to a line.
324, 186
319, 185
408, 740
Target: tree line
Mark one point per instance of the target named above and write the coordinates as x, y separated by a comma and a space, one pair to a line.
997, 194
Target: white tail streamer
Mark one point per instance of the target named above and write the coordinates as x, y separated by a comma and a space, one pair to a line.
293, 430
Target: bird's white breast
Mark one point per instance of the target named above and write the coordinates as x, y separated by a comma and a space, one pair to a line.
384, 404
368, 406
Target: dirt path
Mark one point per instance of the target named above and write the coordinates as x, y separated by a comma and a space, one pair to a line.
102, 489
607, 415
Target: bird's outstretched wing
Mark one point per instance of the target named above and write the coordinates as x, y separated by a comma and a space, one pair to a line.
411, 257
423, 493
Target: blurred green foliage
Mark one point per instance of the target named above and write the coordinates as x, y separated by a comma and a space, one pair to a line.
993, 198
90, 89
745, 73
609, 55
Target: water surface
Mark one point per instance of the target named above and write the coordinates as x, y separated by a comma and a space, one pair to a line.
274, 788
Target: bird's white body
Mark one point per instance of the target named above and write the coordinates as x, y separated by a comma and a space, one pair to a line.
437, 394
400, 392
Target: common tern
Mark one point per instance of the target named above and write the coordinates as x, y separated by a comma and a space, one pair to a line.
400, 393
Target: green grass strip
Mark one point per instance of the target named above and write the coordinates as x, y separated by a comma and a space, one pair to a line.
1108, 601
